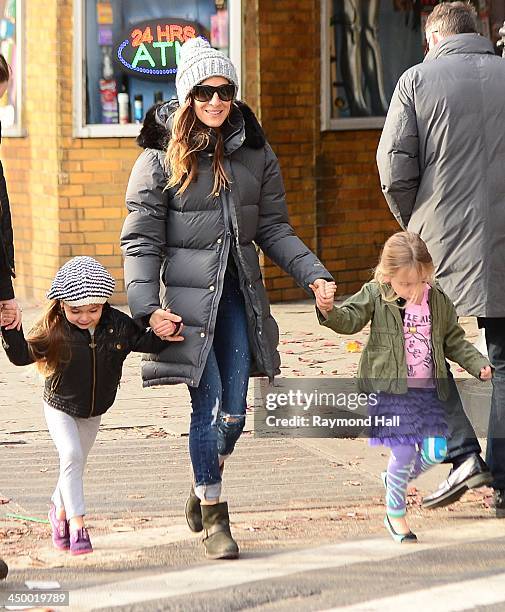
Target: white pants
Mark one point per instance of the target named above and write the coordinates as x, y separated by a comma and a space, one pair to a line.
73, 438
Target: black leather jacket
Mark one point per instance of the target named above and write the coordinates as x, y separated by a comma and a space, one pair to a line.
87, 385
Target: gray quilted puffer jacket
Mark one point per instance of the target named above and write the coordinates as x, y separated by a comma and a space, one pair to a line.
189, 237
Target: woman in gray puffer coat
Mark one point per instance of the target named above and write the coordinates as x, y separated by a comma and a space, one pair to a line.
197, 214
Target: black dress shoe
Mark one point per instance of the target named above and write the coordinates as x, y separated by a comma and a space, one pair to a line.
499, 502
471, 474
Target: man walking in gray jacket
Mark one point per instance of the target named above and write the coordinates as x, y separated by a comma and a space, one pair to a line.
441, 161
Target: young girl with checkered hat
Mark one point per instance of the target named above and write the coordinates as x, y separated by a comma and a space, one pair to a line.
79, 345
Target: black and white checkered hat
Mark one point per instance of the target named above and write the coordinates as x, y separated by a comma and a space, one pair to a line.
82, 281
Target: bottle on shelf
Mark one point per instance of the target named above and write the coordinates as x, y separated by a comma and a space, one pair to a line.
138, 108
108, 88
123, 100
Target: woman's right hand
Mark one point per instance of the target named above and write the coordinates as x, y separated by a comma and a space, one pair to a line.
166, 325
11, 314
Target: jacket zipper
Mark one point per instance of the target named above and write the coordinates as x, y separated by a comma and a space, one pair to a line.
225, 250
399, 322
234, 222
92, 346
435, 364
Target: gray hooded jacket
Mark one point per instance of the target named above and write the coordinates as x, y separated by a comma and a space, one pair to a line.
190, 238
441, 160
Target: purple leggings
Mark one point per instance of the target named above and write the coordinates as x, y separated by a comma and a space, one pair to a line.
406, 463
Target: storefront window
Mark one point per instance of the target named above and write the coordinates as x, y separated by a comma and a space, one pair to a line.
130, 51
367, 45
10, 103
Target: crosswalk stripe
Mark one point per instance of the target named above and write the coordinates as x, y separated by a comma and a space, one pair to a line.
222, 575
447, 598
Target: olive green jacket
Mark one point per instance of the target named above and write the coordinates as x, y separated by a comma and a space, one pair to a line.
383, 366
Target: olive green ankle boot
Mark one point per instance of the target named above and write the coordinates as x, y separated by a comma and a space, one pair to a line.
193, 512
218, 541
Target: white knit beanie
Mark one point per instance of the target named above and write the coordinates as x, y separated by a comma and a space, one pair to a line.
198, 61
82, 281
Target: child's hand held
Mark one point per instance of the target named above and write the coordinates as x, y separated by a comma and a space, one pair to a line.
486, 373
166, 325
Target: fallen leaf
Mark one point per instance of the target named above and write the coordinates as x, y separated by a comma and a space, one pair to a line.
354, 346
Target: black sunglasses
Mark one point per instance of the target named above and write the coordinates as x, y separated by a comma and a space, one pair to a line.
205, 93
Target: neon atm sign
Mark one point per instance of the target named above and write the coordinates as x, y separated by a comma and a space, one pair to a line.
150, 49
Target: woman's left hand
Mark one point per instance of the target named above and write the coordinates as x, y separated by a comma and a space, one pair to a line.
324, 292
486, 373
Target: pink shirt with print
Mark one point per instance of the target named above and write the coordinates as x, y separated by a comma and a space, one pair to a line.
417, 334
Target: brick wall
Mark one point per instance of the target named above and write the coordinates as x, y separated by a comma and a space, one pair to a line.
353, 220
288, 95
31, 164
333, 191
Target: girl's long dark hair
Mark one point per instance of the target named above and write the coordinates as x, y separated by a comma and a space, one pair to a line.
48, 340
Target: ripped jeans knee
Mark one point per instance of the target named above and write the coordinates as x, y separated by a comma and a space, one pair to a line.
229, 429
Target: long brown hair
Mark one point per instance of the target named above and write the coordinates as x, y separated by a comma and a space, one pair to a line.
48, 340
189, 136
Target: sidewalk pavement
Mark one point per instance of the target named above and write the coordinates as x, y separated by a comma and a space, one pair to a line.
140, 465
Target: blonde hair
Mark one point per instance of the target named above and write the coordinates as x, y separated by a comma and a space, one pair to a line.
402, 250
189, 137
48, 340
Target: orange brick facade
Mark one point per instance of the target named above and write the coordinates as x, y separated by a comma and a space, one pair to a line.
67, 194
332, 186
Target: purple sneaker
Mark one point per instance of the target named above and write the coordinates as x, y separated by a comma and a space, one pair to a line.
80, 544
60, 533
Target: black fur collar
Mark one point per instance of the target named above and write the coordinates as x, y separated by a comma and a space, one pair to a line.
254, 134
155, 135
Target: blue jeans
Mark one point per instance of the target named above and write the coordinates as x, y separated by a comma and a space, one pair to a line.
219, 401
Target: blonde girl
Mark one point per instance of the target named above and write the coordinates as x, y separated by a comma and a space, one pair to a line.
413, 329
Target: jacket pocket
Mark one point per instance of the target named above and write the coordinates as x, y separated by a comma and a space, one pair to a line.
378, 363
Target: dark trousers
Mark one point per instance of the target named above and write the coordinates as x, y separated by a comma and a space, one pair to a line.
495, 455
461, 438
461, 435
